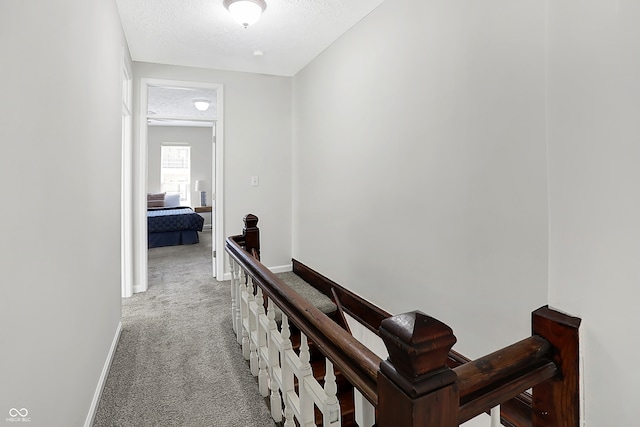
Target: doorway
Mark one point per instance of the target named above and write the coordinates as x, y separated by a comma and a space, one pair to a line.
170, 104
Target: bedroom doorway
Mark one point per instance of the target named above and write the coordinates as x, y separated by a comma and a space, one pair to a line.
169, 113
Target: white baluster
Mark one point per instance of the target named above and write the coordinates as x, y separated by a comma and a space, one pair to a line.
274, 361
365, 412
276, 404
306, 400
236, 317
495, 416
332, 415
234, 294
253, 326
304, 354
250, 293
287, 371
244, 313
271, 315
263, 377
286, 334
261, 338
288, 416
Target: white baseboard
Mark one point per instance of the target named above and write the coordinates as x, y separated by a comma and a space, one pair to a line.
281, 268
276, 269
103, 378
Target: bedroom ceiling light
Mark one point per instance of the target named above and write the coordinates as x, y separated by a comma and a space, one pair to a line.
246, 12
201, 104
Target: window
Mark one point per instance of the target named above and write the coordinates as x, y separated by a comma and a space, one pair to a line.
175, 171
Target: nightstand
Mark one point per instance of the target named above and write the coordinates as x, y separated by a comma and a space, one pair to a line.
202, 210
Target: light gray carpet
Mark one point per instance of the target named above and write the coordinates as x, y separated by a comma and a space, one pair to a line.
178, 362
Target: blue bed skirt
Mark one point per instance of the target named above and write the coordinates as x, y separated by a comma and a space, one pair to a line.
173, 226
173, 238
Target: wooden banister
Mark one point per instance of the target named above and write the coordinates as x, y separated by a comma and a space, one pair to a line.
500, 365
424, 382
358, 363
502, 375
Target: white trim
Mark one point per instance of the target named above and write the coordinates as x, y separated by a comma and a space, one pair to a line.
183, 118
276, 269
281, 268
137, 289
140, 197
126, 213
219, 194
103, 378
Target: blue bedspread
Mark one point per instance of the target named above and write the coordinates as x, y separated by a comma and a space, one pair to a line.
173, 219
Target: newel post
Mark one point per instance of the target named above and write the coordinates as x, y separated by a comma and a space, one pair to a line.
557, 402
251, 234
415, 386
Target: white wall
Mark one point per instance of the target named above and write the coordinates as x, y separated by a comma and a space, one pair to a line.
594, 174
257, 141
420, 164
200, 141
61, 117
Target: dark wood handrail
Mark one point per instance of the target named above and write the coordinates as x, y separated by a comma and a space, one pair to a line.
357, 362
502, 375
424, 382
515, 412
506, 391
500, 365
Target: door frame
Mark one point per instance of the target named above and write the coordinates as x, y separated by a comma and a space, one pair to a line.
126, 184
140, 196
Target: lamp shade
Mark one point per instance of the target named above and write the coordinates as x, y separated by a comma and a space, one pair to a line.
246, 12
201, 185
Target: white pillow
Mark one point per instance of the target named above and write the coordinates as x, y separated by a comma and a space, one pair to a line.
171, 200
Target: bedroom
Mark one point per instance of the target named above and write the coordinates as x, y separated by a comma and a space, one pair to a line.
179, 166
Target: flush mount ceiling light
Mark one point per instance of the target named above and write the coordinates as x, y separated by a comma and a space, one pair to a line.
246, 12
201, 104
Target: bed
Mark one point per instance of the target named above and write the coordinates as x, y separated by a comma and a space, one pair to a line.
173, 225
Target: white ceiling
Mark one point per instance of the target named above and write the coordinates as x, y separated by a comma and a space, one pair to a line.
201, 33
173, 106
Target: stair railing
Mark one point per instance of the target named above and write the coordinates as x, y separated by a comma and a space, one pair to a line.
415, 386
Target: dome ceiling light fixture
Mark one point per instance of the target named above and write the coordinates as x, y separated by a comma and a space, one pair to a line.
246, 12
201, 104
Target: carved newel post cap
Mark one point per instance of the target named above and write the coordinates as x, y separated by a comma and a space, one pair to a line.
250, 221
417, 344
416, 388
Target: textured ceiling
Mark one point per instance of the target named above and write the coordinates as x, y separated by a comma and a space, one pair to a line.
166, 104
201, 33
